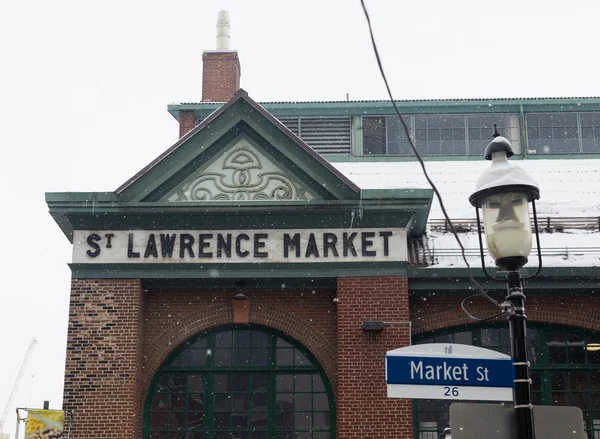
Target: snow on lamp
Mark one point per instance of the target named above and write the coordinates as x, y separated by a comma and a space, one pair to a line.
504, 192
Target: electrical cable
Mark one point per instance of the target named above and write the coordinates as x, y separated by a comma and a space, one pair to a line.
420, 160
479, 319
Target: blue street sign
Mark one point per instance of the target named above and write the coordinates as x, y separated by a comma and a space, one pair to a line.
449, 371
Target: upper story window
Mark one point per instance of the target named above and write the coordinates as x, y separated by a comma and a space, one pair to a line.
326, 135
563, 133
437, 134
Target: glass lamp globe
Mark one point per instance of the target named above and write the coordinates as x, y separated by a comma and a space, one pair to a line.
504, 192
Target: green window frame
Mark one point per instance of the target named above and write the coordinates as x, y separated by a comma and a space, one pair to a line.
565, 370
240, 382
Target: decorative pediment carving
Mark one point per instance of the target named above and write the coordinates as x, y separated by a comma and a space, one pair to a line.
242, 173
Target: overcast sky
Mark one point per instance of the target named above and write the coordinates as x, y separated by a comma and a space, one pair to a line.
84, 88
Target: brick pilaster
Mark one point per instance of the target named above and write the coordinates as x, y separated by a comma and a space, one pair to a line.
364, 410
104, 353
187, 122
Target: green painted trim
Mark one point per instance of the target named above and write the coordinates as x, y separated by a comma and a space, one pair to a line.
358, 108
232, 284
238, 271
356, 139
551, 281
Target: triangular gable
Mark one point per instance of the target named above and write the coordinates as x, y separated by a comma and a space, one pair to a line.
239, 153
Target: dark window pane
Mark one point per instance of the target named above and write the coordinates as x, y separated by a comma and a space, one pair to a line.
223, 339
259, 357
258, 402
160, 402
241, 339
221, 383
222, 357
318, 385
259, 339
258, 383
240, 382
178, 401
285, 420
300, 359
281, 343
303, 401
285, 383
196, 402
303, 383
558, 381
303, 421
241, 357
197, 357
374, 135
320, 402
195, 383
159, 421
221, 420
222, 402
285, 402
285, 357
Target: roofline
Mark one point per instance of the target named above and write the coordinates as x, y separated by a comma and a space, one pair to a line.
241, 94
422, 106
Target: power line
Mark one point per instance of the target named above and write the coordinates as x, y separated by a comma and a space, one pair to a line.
482, 293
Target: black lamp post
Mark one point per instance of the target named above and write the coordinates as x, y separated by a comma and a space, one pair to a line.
504, 192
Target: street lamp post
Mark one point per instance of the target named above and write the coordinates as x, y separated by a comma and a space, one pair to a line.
503, 193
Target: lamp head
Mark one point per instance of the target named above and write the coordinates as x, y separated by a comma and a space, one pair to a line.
504, 192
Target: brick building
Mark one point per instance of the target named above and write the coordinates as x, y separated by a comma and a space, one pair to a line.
221, 292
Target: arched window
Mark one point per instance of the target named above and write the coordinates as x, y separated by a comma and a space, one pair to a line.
240, 383
565, 370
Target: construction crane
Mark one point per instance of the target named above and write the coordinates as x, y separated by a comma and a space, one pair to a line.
13, 393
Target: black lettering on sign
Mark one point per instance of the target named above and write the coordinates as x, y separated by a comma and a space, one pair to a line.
366, 243
329, 242
238, 245
348, 244
202, 244
151, 249
291, 244
186, 241
311, 247
167, 244
386, 242
109, 237
224, 245
91, 240
130, 252
258, 244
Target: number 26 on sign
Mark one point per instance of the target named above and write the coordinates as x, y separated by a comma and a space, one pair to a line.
451, 391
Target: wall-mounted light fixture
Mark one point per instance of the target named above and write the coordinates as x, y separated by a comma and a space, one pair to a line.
241, 309
373, 326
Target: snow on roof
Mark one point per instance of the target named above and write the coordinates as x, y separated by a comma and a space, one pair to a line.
568, 188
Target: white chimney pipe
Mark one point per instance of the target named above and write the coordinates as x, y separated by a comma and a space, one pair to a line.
223, 28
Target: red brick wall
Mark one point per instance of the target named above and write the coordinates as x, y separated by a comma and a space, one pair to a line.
187, 122
221, 73
103, 358
430, 313
364, 410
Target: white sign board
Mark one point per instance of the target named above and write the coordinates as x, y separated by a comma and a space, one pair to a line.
239, 246
449, 371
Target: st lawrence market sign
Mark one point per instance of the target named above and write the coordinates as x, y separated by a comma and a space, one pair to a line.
240, 246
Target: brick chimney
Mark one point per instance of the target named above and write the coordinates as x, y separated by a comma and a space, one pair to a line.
221, 73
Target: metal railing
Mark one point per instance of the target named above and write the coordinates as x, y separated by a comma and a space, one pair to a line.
547, 224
